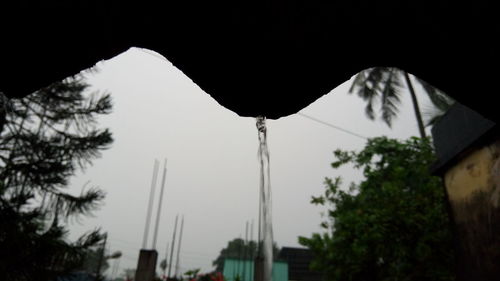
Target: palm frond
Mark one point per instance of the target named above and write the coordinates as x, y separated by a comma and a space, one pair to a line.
437, 97
440, 103
390, 96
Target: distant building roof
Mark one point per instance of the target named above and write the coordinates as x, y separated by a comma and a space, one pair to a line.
298, 260
458, 130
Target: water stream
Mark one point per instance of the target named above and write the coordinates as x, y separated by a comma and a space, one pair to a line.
265, 216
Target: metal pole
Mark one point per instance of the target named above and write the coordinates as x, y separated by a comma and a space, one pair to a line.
251, 238
252, 253
259, 224
166, 263
173, 246
245, 252
150, 204
155, 236
179, 247
240, 256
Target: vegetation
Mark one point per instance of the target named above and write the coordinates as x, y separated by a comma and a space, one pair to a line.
384, 84
45, 138
214, 276
191, 274
94, 257
238, 249
393, 225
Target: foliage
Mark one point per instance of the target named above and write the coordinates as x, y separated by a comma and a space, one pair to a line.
393, 225
239, 249
383, 85
92, 258
46, 138
129, 273
163, 264
192, 273
213, 276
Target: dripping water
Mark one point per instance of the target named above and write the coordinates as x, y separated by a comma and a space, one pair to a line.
265, 222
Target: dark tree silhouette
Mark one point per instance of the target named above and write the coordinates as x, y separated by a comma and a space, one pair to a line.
46, 137
384, 84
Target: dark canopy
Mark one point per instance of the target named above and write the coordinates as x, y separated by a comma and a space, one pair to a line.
258, 57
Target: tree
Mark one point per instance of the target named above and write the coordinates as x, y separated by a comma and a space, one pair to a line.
191, 274
163, 265
239, 249
129, 273
97, 257
384, 83
46, 138
94, 256
393, 225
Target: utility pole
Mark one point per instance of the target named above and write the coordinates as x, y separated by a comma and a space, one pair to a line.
146, 264
240, 257
160, 203
150, 204
179, 247
252, 253
245, 252
101, 258
166, 263
251, 237
173, 246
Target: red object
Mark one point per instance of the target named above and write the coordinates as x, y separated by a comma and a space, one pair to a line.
217, 277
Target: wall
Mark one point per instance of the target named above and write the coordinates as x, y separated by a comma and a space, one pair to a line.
473, 189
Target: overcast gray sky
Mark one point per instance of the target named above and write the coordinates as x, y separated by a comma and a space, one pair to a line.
212, 174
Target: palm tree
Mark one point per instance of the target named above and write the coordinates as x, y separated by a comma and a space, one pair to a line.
385, 83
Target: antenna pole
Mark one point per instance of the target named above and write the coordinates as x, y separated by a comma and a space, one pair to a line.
179, 247
173, 246
155, 236
150, 204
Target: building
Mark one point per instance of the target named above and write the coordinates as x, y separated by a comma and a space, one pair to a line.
292, 264
243, 270
298, 261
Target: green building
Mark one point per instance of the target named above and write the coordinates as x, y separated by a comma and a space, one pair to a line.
245, 270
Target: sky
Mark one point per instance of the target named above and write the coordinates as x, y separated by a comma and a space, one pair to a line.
212, 171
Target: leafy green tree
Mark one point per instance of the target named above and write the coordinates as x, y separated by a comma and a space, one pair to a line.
239, 249
46, 138
393, 225
191, 274
384, 84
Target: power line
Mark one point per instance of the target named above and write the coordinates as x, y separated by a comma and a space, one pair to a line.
299, 113
332, 126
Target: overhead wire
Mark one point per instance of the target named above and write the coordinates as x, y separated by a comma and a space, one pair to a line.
146, 51
332, 126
